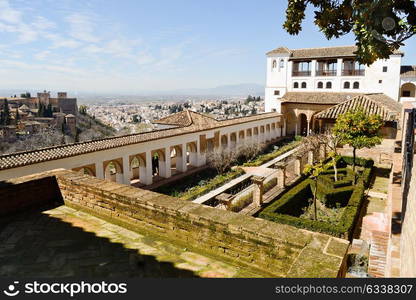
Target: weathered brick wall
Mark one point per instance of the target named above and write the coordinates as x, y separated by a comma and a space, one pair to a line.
280, 250
28, 192
408, 234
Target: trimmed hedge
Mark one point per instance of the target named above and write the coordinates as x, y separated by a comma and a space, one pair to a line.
289, 207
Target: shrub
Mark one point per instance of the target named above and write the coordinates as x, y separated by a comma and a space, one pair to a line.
210, 185
262, 159
242, 202
289, 207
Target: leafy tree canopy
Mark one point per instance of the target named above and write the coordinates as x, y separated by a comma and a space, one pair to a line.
380, 26
358, 129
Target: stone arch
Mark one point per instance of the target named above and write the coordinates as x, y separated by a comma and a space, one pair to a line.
233, 140
140, 158
268, 128
241, 134
347, 85
296, 85
160, 153
304, 85
303, 124
192, 153
224, 141
408, 89
249, 132
191, 147
176, 151
262, 129
320, 85
113, 170
256, 131
86, 170
328, 85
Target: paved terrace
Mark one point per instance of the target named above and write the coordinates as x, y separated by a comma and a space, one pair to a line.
100, 228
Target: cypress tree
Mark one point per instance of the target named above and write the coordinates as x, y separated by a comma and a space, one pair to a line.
5, 116
17, 117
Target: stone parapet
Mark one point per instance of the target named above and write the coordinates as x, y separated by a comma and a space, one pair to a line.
251, 243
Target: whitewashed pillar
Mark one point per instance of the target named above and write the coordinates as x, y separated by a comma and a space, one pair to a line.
126, 170
99, 170
181, 159
168, 164
202, 159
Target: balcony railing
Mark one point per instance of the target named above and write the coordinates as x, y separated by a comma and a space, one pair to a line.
301, 73
326, 72
353, 72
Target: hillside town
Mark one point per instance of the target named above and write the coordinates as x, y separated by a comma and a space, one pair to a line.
134, 118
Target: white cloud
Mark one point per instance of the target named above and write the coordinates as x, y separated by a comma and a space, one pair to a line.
82, 27
8, 14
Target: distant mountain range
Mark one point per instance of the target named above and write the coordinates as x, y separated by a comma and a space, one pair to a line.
224, 90
219, 92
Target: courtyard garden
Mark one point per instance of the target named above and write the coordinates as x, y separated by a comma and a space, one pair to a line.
224, 167
338, 203
330, 195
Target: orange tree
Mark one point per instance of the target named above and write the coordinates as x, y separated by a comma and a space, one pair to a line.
358, 129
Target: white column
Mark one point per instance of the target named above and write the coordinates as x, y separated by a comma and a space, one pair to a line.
119, 178
296, 127
202, 159
284, 128
167, 162
149, 169
278, 131
307, 127
313, 68
181, 160
99, 170
146, 172
126, 170
193, 157
339, 67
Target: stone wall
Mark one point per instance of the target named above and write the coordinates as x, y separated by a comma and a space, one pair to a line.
279, 250
246, 242
408, 234
28, 192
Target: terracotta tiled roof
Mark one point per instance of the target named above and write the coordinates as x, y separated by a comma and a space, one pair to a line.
280, 50
322, 52
378, 104
186, 118
317, 98
408, 71
199, 123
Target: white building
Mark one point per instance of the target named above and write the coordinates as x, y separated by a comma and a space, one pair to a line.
329, 70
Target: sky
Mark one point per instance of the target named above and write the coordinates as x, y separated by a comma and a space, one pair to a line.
129, 46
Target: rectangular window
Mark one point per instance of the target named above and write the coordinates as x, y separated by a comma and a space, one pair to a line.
277, 93
384, 69
380, 81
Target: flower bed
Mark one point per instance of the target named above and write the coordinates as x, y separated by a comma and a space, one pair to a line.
266, 157
289, 208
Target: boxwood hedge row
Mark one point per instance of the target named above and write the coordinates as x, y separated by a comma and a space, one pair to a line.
287, 209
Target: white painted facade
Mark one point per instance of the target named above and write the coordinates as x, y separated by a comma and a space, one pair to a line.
183, 151
383, 76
